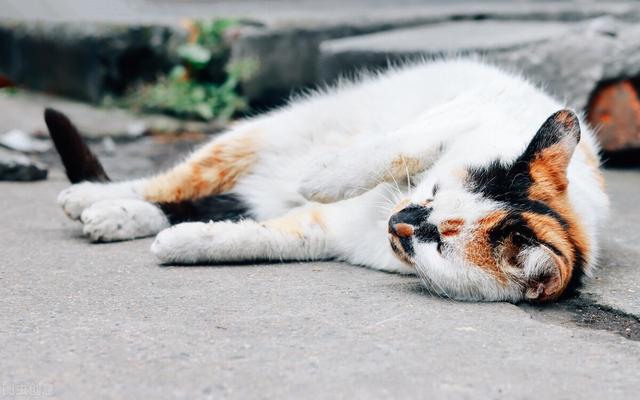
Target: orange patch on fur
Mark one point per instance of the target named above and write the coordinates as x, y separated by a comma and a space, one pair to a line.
549, 186
403, 230
398, 250
479, 250
548, 171
214, 169
451, 227
318, 219
549, 230
296, 223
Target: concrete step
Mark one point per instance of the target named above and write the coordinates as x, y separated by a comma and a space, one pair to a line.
287, 47
375, 51
82, 60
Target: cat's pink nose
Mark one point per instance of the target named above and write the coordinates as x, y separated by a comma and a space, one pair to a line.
401, 230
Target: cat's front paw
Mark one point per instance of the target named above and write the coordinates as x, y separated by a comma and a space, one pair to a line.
324, 191
75, 199
122, 219
183, 243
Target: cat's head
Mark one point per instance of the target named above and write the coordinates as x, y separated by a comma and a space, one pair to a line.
501, 231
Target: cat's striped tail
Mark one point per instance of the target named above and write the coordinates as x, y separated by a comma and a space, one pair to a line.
79, 162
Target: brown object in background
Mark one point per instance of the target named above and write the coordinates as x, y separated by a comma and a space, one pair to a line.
614, 109
5, 82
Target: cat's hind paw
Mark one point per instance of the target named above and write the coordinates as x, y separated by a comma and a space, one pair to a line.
75, 199
122, 219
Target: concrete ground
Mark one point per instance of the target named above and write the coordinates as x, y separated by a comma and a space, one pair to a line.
79, 320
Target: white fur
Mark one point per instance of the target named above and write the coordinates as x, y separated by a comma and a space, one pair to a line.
337, 144
122, 219
75, 199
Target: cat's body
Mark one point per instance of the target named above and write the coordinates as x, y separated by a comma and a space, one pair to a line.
439, 159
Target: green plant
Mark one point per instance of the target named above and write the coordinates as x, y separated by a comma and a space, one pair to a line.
9, 90
194, 89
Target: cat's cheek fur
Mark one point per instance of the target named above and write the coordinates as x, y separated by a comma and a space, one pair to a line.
451, 276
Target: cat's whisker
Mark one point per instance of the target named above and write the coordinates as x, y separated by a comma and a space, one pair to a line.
406, 169
394, 180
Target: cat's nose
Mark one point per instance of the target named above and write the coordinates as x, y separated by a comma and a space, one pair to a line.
404, 222
412, 220
401, 230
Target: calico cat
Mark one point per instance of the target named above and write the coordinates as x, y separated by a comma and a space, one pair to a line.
466, 175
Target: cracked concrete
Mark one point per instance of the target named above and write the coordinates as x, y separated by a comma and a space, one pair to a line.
105, 321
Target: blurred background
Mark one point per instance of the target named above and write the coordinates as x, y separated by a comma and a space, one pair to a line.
151, 72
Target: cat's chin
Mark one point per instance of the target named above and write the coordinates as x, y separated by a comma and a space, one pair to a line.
445, 278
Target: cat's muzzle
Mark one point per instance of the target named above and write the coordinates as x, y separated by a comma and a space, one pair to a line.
411, 224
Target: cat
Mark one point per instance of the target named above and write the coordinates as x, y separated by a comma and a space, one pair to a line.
462, 173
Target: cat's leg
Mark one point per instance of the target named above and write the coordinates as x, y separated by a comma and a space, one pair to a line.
354, 230
131, 209
299, 235
392, 157
211, 170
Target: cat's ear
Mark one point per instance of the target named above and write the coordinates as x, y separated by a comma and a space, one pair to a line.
550, 151
546, 273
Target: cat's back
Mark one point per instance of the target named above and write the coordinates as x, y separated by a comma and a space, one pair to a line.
380, 102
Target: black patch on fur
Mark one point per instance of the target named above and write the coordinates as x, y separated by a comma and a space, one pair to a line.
575, 282
407, 245
427, 232
79, 162
413, 215
225, 207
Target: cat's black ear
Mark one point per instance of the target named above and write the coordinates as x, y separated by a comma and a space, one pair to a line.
549, 152
556, 139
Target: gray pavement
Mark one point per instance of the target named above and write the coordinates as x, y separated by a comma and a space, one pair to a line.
105, 321
24, 111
